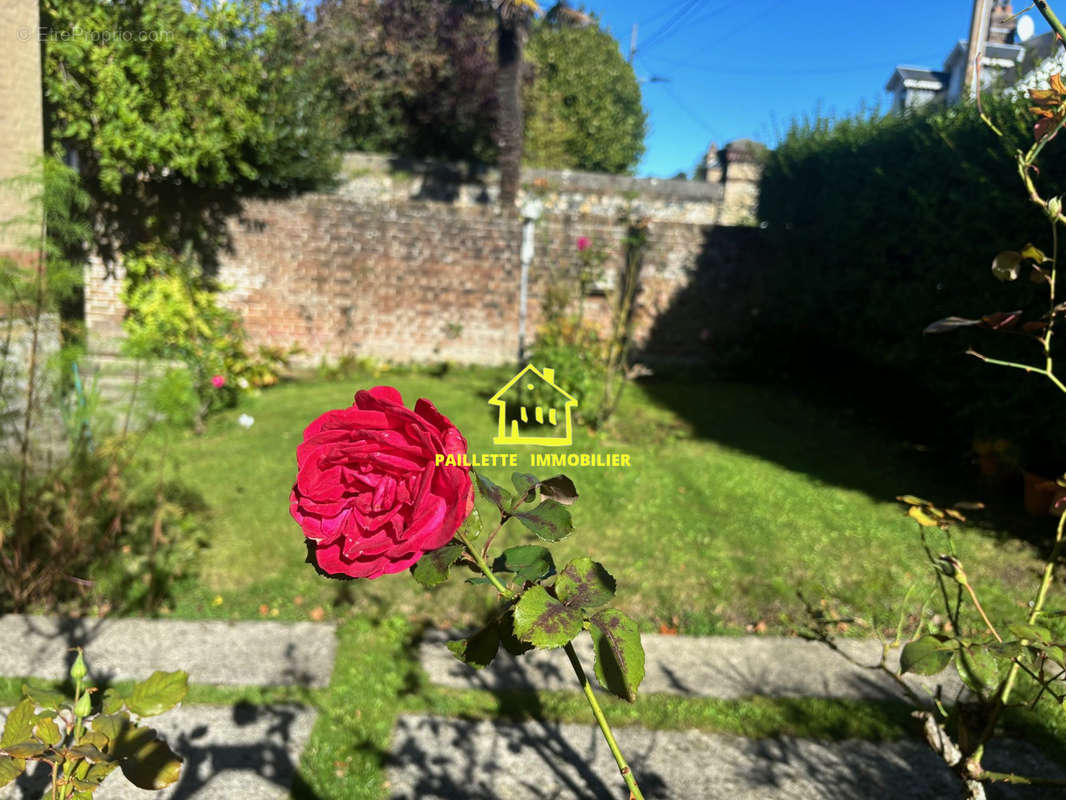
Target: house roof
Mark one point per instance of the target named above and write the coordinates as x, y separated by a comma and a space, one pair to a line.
994, 52
1013, 53
917, 78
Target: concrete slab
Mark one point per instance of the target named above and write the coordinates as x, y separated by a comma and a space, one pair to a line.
724, 667
231, 753
435, 758
227, 653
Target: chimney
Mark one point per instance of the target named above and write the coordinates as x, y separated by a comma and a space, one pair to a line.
549, 374
1002, 25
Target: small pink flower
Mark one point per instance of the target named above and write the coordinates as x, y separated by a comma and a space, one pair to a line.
582, 244
218, 381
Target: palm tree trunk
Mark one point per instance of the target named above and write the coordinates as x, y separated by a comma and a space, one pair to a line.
510, 34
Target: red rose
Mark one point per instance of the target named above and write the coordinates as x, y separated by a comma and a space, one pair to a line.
369, 495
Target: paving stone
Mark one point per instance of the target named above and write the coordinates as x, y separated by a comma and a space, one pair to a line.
724, 667
227, 653
435, 758
242, 752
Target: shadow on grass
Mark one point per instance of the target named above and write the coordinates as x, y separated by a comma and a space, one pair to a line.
832, 439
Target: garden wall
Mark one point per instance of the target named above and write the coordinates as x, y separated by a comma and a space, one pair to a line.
413, 261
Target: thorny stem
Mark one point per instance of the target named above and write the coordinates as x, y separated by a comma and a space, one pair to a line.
601, 720
1052, 20
484, 567
586, 687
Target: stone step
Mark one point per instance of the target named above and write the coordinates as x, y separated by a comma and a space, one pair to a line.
264, 653
436, 758
242, 752
725, 667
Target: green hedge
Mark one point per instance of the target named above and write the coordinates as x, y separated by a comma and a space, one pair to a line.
885, 224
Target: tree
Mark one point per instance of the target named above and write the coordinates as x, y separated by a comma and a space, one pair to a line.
180, 111
414, 77
513, 19
584, 104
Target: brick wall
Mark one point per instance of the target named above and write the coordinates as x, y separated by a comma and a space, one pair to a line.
407, 265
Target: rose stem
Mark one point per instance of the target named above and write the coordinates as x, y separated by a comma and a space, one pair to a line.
601, 720
484, 567
586, 687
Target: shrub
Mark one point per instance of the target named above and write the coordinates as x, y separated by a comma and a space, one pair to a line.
883, 224
175, 313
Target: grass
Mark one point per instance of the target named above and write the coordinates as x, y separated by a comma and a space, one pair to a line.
737, 498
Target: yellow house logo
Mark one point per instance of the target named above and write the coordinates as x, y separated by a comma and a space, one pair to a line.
512, 404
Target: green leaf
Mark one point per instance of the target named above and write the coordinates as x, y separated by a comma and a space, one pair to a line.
924, 656
584, 583
1033, 633
528, 562
499, 496
94, 738
45, 698
432, 569
90, 753
978, 669
28, 749
160, 692
48, 732
10, 768
560, 489
145, 759
619, 653
113, 701
478, 650
544, 622
1055, 655
550, 521
20, 722
110, 725
1006, 266
525, 486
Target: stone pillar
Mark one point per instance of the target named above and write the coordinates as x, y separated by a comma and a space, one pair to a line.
21, 122
742, 162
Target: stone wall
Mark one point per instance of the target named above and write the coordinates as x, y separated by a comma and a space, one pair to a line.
413, 261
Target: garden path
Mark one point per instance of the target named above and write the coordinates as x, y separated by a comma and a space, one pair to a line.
251, 751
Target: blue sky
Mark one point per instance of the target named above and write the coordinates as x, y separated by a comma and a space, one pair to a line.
744, 70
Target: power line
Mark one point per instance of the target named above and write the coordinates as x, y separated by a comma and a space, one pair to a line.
680, 15
660, 13
661, 37
684, 106
725, 69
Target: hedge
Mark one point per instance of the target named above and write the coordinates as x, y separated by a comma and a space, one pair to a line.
882, 225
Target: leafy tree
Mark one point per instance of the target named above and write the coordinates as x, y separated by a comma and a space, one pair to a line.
583, 105
414, 77
165, 108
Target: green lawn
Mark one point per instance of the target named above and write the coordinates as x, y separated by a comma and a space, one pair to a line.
738, 496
